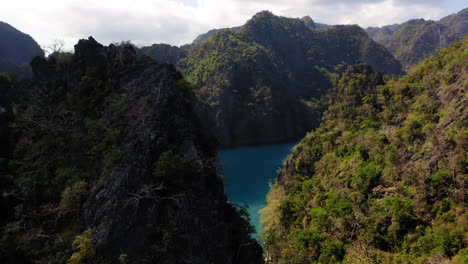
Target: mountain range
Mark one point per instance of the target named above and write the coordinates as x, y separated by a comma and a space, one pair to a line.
273, 70
108, 154
417, 39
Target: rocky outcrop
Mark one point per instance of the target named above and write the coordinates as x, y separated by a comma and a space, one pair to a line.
202, 37
164, 53
417, 39
457, 22
312, 24
133, 177
263, 83
381, 34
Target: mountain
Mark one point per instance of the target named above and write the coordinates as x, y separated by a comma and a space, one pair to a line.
16, 46
307, 20
382, 34
202, 37
383, 179
164, 53
457, 22
107, 163
312, 24
264, 82
417, 39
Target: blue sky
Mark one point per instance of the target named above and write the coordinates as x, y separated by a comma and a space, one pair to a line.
456, 5
178, 22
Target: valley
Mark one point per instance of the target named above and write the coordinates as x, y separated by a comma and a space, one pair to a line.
273, 139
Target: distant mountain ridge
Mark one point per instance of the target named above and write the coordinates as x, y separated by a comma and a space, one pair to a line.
202, 37
307, 20
262, 83
311, 23
16, 50
457, 22
16, 46
416, 39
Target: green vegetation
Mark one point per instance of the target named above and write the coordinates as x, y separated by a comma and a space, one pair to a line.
383, 179
273, 70
164, 53
457, 22
417, 39
102, 160
84, 246
65, 149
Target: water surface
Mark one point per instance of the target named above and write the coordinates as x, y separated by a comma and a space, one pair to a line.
248, 172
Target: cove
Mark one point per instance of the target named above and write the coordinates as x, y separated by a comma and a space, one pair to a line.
248, 172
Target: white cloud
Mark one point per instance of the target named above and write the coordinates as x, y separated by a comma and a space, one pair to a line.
179, 21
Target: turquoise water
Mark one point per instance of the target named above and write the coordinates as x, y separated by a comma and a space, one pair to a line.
248, 172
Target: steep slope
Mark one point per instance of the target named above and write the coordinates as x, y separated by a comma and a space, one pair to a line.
312, 24
202, 37
263, 83
383, 179
15, 46
416, 39
110, 165
457, 22
381, 34
164, 53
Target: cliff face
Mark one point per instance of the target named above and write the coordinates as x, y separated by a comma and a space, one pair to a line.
202, 37
383, 179
264, 82
381, 34
457, 22
417, 39
110, 165
164, 53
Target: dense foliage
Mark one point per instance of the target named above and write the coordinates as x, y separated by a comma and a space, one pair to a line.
102, 161
164, 53
271, 71
457, 22
417, 39
383, 179
202, 37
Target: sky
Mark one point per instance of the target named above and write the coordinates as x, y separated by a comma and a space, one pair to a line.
178, 22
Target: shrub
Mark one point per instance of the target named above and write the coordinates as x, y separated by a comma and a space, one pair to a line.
73, 195
332, 252
84, 246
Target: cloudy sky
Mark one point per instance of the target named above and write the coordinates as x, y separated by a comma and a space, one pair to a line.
178, 22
